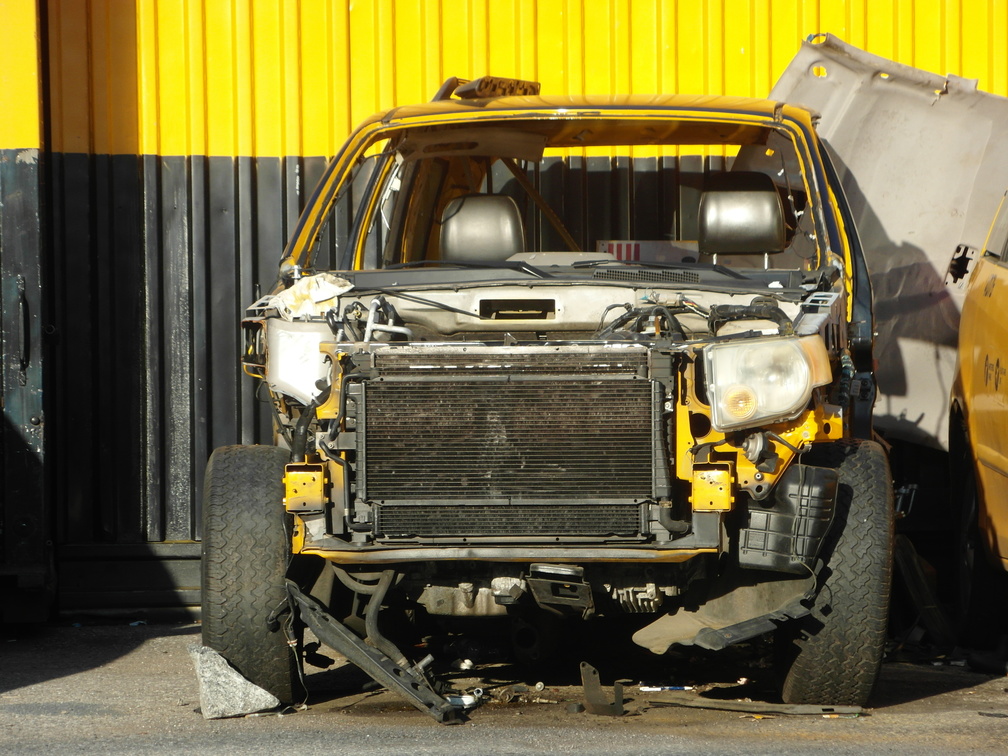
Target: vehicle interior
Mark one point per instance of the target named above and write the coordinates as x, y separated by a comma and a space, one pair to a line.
576, 192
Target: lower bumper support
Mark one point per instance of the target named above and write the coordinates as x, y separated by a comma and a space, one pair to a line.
380, 667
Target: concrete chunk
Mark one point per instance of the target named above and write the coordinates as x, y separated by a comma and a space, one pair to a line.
223, 691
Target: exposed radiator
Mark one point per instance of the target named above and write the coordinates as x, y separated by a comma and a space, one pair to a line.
527, 440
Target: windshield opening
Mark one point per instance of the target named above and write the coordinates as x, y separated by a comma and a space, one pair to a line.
601, 191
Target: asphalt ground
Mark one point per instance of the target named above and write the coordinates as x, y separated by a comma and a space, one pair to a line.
121, 688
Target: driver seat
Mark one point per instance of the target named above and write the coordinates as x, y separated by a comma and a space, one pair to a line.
481, 228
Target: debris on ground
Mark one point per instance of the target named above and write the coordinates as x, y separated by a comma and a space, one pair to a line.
760, 708
223, 691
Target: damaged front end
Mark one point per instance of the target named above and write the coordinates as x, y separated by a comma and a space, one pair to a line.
631, 419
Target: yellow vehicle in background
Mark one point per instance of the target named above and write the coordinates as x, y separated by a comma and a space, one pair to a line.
978, 434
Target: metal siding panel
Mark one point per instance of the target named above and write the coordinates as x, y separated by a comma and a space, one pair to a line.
115, 83
648, 201
158, 250
670, 192
600, 191
20, 78
104, 387
153, 466
124, 420
575, 206
75, 312
201, 72
691, 179
623, 198
227, 314
222, 270
25, 536
295, 188
551, 185
175, 302
202, 252
267, 215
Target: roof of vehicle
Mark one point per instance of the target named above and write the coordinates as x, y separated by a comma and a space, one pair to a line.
714, 105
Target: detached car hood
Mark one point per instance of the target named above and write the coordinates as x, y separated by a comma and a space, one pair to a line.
923, 164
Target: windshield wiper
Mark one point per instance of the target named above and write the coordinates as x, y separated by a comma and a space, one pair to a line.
424, 301
517, 265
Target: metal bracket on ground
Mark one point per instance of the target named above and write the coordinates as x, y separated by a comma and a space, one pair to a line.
755, 707
380, 667
595, 700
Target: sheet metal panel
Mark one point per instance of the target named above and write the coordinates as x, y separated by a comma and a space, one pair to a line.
284, 79
26, 579
923, 162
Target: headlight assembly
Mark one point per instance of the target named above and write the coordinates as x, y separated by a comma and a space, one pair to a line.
756, 381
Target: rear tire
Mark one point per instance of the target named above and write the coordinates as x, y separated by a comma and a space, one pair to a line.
246, 547
833, 655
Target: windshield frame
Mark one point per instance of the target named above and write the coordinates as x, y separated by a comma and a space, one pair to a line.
304, 244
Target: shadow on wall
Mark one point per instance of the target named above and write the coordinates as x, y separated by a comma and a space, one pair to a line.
27, 585
916, 324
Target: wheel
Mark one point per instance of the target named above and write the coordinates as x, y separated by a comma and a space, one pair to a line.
246, 548
833, 655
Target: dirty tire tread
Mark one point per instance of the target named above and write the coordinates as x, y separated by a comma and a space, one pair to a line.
245, 553
835, 654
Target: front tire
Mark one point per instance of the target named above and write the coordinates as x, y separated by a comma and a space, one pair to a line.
833, 655
246, 547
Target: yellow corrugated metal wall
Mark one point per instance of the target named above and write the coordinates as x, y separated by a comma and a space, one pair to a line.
183, 137
291, 77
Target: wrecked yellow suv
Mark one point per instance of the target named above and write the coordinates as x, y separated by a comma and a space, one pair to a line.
537, 357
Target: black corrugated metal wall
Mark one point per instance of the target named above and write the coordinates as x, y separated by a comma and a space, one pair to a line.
152, 267
26, 548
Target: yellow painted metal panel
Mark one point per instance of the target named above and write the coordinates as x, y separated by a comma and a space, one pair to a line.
69, 74
999, 56
116, 85
316, 24
270, 112
147, 107
223, 74
20, 102
286, 77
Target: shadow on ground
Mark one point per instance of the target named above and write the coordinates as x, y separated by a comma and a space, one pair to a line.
32, 654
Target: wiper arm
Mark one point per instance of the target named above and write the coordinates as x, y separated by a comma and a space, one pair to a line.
518, 265
424, 301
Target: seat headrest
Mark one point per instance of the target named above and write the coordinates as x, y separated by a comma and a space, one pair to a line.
741, 213
481, 228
